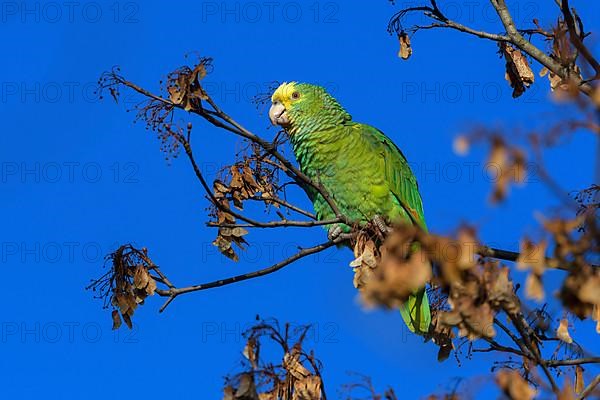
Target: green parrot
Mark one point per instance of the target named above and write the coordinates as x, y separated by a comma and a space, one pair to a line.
365, 173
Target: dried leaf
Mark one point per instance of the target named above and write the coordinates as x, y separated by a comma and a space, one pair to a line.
514, 386
238, 232
532, 256
461, 145
291, 362
251, 352
127, 319
534, 289
222, 243
467, 255
308, 388
151, 287
141, 277
116, 320
175, 94
567, 392
500, 289
122, 303
247, 388
518, 72
405, 48
590, 290
395, 279
228, 393
563, 331
579, 383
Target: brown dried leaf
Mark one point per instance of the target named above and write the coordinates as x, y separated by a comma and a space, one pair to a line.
140, 277
567, 392
518, 168
272, 395
590, 290
555, 80
308, 388
228, 393
532, 256
175, 94
127, 319
518, 72
292, 364
500, 289
116, 320
247, 388
151, 288
122, 303
236, 178
579, 383
563, 331
499, 160
461, 145
251, 352
220, 188
222, 243
238, 232
467, 255
534, 289
514, 386
396, 279
405, 48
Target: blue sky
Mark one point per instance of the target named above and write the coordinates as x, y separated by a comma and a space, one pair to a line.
78, 178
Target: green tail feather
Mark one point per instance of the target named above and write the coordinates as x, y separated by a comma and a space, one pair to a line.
416, 314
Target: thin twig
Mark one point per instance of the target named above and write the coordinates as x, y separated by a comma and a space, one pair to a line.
172, 293
576, 361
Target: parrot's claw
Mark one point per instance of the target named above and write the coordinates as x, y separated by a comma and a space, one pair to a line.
336, 232
381, 225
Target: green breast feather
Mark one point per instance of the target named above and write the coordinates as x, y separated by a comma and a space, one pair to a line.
365, 173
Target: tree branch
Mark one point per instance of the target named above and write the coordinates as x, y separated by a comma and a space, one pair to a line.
518, 40
173, 292
577, 361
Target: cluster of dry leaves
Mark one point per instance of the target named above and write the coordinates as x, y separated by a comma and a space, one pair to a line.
296, 376
518, 71
515, 387
580, 292
127, 283
248, 179
183, 85
409, 259
387, 271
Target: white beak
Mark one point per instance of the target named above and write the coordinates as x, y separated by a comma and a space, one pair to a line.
277, 114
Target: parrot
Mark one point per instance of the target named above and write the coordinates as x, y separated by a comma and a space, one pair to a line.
365, 174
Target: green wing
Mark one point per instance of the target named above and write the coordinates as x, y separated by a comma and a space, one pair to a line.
399, 176
403, 185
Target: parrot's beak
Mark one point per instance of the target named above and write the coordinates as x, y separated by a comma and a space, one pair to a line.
277, 115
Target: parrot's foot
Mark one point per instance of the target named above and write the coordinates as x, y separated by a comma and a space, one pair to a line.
337, 232
381, 225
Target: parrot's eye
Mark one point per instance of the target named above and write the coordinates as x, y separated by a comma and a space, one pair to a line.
295, 95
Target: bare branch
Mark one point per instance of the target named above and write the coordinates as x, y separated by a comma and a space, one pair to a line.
173, 292
577, 361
